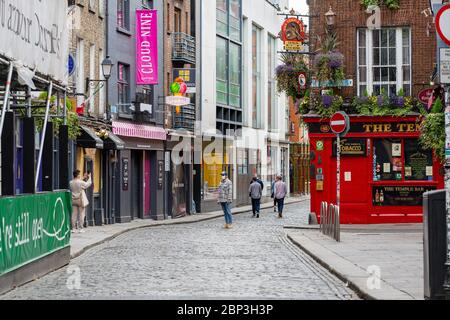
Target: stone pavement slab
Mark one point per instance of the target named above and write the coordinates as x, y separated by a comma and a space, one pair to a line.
396, 250
95, 236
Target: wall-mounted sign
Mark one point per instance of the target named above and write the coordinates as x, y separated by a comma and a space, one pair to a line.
319, 145
71, 66
125, 174
409, 196
160, 174
177, 101
189, 77
351, 147
302, 80
293, 34
35, 33
444, 74
342, 83
146, 47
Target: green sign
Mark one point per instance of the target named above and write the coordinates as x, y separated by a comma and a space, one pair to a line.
32, 227
319, 145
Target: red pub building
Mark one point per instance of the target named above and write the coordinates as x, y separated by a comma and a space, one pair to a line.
384, 169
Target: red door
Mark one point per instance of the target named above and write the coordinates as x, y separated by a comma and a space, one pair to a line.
147, 184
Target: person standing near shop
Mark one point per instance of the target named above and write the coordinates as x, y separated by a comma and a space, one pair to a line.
273, 196
79, 200
255, 192
225, 198
280, 194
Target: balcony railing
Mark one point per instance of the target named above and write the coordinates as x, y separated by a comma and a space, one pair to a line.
183, 48
185, 119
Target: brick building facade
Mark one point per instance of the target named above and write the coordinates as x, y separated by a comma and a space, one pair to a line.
87, 45
351, 16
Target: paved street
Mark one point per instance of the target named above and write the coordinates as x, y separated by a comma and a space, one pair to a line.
254, 260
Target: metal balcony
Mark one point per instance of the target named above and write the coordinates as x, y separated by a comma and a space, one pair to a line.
183, 48
185, 119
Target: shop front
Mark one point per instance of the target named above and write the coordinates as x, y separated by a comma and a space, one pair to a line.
140, 172
384, 169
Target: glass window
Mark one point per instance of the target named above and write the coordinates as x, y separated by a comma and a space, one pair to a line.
256, 77
390, 55
235, 20
123, 14
418, 162
222, 66
271, 99
123, 84
235, 75
387, 160
222, 17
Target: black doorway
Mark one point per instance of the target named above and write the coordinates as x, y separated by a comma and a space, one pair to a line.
136, 210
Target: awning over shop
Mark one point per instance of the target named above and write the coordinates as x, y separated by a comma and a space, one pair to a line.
88, 139
113, 142
139, 131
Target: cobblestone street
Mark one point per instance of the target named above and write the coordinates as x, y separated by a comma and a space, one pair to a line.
254, 260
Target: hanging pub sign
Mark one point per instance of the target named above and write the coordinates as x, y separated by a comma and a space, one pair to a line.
425, 95
293, 34
369, 128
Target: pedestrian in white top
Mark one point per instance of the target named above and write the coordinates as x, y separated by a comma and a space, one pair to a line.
280, 194
79, 200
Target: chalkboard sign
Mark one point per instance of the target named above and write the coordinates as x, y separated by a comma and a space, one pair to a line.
409, 196
418, 162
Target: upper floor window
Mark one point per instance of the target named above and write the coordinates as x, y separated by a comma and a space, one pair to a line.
123, 83
123, 14
384, 61
229, 18
147, 4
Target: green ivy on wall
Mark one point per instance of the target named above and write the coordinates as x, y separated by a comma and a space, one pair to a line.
391, 4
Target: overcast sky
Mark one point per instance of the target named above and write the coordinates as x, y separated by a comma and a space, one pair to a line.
299, 5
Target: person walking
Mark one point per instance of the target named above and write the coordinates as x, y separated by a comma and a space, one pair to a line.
255, 192
280, 194
79, 199
258, 180
225, 198
273, 196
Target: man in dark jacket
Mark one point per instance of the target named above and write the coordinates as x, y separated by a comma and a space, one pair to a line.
255, 192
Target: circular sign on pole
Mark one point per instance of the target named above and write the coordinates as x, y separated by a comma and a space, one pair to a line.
71, 65
340, 123
302, 80
443, 24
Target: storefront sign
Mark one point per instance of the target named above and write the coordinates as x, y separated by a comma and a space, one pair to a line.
160, 174
189, 77
32, 227
399, 195
146, 47
178, 101
293, 34
35, 33
358, 127
444, 74
351, 147
125, 174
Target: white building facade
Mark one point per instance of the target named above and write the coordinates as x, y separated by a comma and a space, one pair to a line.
244, 121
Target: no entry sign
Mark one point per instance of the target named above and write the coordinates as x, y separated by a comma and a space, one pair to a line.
443, 24
340, 123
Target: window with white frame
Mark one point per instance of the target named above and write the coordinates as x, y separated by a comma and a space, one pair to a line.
384, 61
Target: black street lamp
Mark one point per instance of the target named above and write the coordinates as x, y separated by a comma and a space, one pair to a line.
107, 66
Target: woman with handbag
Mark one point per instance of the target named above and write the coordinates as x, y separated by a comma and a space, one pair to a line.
79, 200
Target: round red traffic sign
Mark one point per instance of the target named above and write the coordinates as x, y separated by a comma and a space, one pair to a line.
443, 24
339, 122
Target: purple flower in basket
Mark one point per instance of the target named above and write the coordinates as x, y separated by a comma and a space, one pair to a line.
380, 101
400, 102
327, 100
318, 59
363, 99
336, 60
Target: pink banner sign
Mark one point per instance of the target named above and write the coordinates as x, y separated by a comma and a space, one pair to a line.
146, 47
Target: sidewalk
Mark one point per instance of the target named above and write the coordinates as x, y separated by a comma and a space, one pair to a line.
396, 249
95, 236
